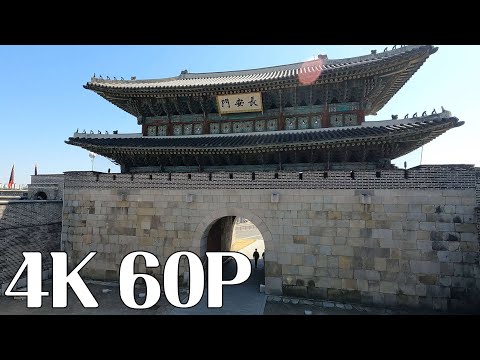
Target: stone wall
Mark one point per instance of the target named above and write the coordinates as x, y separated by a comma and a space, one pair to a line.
12, 193
394, 240
50, 184
478, 202
27, 226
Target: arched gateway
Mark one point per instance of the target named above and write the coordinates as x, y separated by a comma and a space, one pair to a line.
214, 233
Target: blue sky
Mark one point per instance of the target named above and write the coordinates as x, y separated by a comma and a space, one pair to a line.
43, 100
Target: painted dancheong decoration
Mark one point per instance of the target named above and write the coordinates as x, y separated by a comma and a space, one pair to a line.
300, 116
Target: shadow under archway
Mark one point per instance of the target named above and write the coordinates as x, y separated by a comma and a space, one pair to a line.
40, 196
217, 234
272, 277
234, 234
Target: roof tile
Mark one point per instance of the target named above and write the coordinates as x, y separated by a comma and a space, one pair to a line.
238, 77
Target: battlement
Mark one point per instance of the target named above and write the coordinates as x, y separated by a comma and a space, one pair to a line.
422, 177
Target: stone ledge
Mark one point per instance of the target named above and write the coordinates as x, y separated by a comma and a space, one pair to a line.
12, 202
333, 304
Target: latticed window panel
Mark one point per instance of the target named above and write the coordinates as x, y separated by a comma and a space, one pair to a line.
336, 121
351, 120
151, 130
237, 127
303, 123
198, 129
316, 121
187, 129
162, 130
226, 127
272, 124
260, 125
291, 123
214, 128
248, 126
177, 130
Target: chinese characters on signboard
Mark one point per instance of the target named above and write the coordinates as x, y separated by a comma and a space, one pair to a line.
239, 103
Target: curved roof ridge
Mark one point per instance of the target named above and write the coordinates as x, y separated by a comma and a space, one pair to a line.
297, 65
269, 69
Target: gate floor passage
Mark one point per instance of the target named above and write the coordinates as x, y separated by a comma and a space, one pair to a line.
241, 299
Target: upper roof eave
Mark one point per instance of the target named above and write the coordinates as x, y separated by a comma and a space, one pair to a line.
193, 81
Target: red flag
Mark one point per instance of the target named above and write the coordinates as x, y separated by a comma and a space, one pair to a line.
36, 169
11, 181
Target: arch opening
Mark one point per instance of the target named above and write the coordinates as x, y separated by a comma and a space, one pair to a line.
232, 233
40, 196
271, 271
247, 239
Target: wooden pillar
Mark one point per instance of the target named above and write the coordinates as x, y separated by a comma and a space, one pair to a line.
281, 117
206, 125
325, 119
360, 117
169, 127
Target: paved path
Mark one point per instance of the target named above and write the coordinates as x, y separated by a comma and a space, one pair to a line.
253, 234
242, 299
